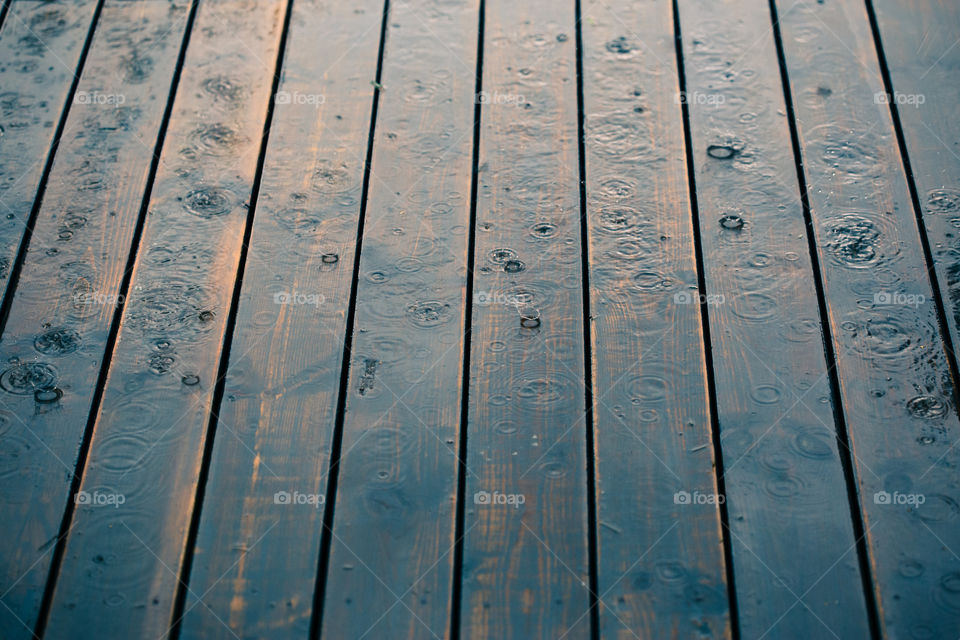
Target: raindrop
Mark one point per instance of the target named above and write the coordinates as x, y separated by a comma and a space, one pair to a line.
619, 45
329, 258
731, 221
513, 266
926, 407
190, 379
208, 202
24, 378
721, 151
529, 317
502, 255
47, 396
58, 341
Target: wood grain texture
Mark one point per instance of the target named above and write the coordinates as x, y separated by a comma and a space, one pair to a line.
782, 466
526, 566
661, 566
120, 565
40, 47
255, 564
921, 52
54, 341
391, 560
896, 387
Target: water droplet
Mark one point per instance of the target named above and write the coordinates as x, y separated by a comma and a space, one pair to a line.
722, 151
208, 202
529, 317
330, 258
47, 396
943, 201
619, 45
513, 266
58, 341
731, 221
190, 380
24, 378
429, 313
926, 407
501, 255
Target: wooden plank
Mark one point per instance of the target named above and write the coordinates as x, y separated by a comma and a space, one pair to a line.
661, 570
391, 561
120, 565
255, 563
896, 386
526, 566
922, 56
61, 316
783, 470
40, 49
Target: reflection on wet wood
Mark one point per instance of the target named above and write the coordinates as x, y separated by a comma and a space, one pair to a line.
896, 387
744, 290
653, 426
119, 569
60, 319
782, 464
275, 424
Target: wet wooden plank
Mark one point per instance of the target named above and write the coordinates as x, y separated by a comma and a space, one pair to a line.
526, 566
40, 48
783, 469
391, 561
923, 57
255, 563
896, 387
661, 566
120, 566
61, 316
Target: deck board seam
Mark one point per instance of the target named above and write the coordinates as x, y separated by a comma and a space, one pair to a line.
178, 612
591, 450
727, 543
460, 520
326, 536
843, 436
7, 296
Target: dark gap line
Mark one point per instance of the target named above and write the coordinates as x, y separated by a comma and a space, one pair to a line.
114, 330
333, 472
592, 542
3, 11
705, 323
456, 596
939, 302
45, 175
843, 437
220, 385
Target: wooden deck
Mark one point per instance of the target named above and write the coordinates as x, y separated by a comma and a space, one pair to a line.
479, 319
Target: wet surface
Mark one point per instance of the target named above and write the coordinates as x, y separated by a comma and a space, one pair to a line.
343, 361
